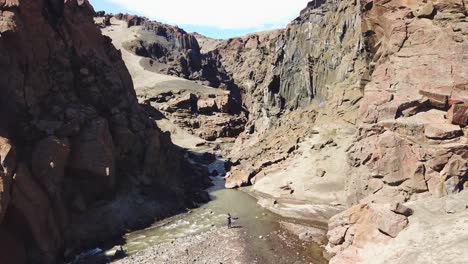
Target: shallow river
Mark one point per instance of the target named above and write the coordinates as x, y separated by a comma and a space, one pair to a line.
263, 235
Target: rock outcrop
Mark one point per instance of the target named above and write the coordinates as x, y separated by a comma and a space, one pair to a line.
73, 138
363, 224
170, 50
370, 64
208, 116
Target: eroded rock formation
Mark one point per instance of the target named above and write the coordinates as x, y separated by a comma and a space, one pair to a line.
73, 134
359, 104
393, 70
389, 76
170, 50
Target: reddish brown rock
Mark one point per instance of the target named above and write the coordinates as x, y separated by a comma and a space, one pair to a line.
442, 131
396, 160
458, 114
392, 224
455, 167
92, 161
361, 225
441, 158
32, 203
207, 106
62, 81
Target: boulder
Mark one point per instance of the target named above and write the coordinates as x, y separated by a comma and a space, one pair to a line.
361, 225
395, 159
437, 97
458, 114
455, 167
401, 209
425, 11
223, 103
336, 236
187, 102
237, 177
92, 159
442, 131
441, 158
417, 182
392, 224
207, 106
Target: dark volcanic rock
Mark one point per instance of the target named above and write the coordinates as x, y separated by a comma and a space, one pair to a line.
173, 51
71, 119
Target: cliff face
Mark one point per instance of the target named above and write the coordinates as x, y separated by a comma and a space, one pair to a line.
381, 91
283, 70
367, 63
172, 51
72, 134
318, 64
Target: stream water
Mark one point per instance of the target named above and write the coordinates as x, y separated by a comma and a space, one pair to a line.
263, 235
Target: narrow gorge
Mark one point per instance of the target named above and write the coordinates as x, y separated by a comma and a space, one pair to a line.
341, 138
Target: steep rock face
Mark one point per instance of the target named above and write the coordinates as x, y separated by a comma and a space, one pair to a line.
172, 51
378, 57
171, 48
318, 61
420, 64
390, 72
72, 134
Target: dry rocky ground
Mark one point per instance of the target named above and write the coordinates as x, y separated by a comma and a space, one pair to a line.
218, 246
222, 245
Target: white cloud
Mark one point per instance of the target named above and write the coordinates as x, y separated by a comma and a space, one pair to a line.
222, 14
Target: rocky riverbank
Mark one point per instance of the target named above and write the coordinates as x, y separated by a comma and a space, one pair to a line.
220, 245
223, 245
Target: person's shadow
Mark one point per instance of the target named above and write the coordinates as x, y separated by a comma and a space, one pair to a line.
236, 226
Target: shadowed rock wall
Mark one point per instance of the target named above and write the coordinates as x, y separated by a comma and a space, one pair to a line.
72, 133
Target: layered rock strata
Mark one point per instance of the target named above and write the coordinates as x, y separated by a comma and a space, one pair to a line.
386, 81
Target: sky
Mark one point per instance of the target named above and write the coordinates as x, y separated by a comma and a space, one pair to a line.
213, 18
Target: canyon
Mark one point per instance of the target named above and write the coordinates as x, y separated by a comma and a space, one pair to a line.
354, 116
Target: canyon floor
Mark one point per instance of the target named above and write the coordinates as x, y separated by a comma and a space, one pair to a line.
200, 235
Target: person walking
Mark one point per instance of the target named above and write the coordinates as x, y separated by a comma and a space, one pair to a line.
229, 220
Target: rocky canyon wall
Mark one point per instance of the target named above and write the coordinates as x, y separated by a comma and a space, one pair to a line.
73, 138
393, 68
318, 65
355, 104
170, 50
382, 83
